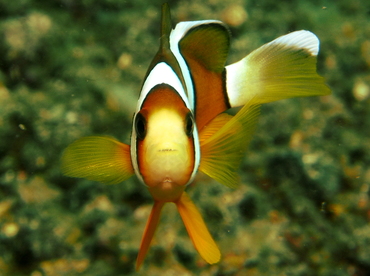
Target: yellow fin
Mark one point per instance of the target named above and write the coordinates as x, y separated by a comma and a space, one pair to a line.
149, 231
281, 69
222, 152
197, 230
98, 158
213, 126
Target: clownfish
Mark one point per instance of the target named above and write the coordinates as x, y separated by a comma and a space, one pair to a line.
180, 126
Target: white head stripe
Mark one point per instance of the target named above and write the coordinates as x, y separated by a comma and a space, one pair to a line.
162, 73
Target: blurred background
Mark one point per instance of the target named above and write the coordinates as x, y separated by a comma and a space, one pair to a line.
69, 69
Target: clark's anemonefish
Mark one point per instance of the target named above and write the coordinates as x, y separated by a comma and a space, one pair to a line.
180, 127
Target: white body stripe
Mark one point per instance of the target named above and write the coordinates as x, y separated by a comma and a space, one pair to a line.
176, 35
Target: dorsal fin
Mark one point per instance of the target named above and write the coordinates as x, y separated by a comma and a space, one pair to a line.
164, 53
205, 48
208, 44
166, 27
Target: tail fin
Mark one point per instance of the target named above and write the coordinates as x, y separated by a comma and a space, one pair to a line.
197, 230
281, 69
149, 231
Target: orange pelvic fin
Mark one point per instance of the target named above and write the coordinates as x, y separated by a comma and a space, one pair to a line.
197, 230
150, 228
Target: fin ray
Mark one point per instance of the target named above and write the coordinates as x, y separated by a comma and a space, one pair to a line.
211, 128
223, 151
98, 158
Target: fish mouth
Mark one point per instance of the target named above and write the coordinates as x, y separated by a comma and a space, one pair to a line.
167, 150
166, 165
167, 180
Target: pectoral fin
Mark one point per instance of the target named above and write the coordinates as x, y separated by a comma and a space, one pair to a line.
223, 143
98, 158
281, 69
213, 126
197, 230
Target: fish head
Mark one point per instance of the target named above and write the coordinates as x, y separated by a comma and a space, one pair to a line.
163, 132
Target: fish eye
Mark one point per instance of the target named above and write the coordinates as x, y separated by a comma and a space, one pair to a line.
140, 126
189, 124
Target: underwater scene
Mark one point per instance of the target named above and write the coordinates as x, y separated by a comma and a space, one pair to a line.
289, 197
